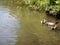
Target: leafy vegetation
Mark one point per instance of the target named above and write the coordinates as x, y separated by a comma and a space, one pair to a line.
39, 5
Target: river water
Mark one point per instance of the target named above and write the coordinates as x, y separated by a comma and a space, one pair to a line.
8, 25
21, 26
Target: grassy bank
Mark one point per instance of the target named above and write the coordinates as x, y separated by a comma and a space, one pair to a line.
38, 5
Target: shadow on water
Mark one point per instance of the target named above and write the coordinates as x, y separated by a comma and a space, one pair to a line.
57, 30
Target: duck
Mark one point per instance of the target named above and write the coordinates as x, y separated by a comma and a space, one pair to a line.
43, 21
51, 25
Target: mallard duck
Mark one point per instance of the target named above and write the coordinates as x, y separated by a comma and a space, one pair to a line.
52, 25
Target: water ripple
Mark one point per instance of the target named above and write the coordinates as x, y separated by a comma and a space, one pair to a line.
8, 24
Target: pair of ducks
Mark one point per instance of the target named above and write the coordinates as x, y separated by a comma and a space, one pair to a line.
52, 25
